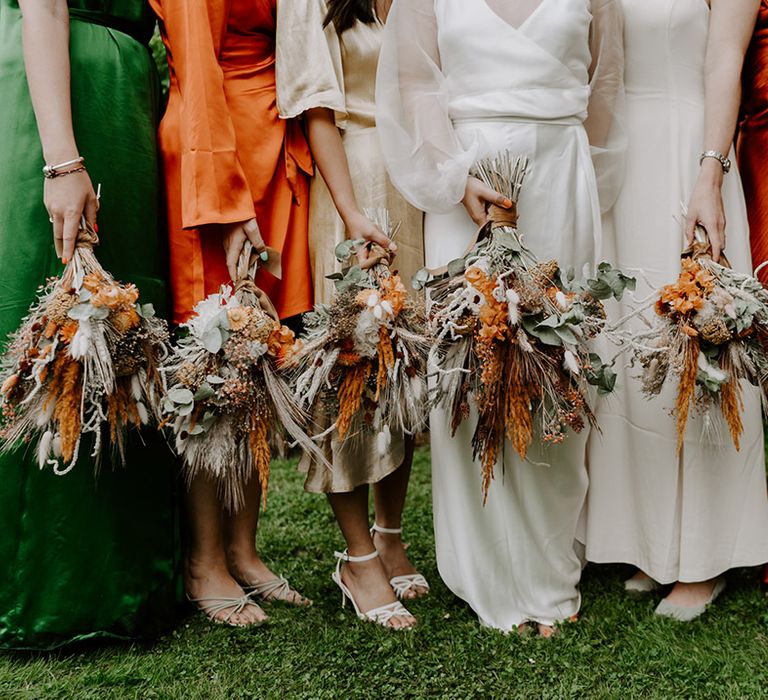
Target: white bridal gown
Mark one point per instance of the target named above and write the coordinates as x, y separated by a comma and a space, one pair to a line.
696, 516
458, 81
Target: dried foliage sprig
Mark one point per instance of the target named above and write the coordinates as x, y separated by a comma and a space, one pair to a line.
515, 333
363, 360
83, 362
225, 394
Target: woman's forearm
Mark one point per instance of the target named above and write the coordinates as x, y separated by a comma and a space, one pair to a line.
45, 34
731, 25
331, 159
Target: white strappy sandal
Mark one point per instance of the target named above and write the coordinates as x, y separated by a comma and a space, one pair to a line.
381, 615
406, 582
275, 590
210, 607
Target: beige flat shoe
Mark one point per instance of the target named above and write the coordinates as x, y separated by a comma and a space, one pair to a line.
686, 614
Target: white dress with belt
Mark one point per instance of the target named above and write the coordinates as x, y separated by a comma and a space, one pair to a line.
457, 81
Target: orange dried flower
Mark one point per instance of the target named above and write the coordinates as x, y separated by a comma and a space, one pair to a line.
68, 331
9, 384
126, 319
238, 317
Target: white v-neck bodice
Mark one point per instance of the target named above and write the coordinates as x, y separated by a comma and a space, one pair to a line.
536, 71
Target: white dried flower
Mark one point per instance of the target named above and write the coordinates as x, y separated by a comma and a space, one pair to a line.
571, 363
44, 448
81, 343
513, 306
383, 441
562, 300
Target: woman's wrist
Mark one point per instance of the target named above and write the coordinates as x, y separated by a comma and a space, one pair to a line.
350, 217
711, 172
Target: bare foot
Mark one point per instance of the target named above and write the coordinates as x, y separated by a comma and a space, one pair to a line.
369, 585
548, 631
691, 595
250, 570
203, 580
395, 560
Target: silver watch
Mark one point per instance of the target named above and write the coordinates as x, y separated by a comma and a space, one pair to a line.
725, 162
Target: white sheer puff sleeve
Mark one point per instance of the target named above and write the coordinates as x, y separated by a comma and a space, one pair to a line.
425, 160
605, 122
308, 60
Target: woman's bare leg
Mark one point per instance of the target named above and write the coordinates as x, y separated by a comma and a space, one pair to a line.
389, 500
206, 574
243, 560
367, 581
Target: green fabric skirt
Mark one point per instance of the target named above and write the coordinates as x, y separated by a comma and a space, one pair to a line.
85, 556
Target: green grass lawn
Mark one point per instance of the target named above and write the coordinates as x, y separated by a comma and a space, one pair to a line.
617, 650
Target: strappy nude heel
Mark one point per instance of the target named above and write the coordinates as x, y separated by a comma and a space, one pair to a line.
406, 582
276, 589
210, 607
381, 615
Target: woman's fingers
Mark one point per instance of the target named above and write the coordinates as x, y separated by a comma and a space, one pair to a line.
252, 231
376, 235
717, 239
70, 230
58, 234
491, 196
368, 257
689, 228
91, 208
233, 244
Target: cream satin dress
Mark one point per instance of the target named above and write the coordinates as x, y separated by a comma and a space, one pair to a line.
318, 68
458, 81
693, 517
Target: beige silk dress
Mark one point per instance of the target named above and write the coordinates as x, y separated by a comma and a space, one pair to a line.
318, 68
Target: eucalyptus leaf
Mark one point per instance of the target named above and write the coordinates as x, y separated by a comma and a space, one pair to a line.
181, 395
186, 409
214, 379
566, 335
213, 340
507, 239
204, 391
456, 267
346, 249
146, 310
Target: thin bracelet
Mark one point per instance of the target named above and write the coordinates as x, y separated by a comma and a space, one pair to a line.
68, 172
51, 171
724, 162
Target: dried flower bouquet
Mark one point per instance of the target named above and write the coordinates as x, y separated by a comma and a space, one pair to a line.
710, 334
224, 390
514, 333
83, 362
363, 360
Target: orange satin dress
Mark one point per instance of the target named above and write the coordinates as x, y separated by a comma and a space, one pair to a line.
753, 139
227, 155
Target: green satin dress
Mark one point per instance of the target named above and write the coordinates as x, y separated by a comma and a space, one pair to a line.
84, 556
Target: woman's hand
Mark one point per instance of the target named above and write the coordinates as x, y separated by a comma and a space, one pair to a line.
235, 237
477, 197
706, 207
378, 246
69, 198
